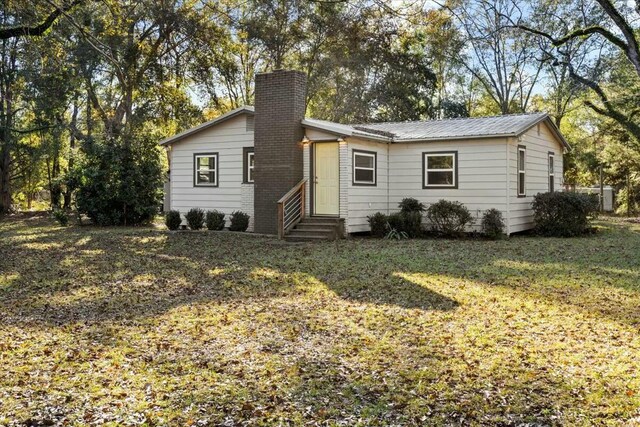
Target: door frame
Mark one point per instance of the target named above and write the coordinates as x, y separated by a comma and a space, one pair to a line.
312, 173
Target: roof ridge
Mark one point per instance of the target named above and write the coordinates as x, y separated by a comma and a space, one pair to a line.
449, 119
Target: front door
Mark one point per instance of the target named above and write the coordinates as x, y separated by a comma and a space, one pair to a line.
327, 179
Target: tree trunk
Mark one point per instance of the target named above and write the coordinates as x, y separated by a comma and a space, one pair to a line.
72, 145
5, 173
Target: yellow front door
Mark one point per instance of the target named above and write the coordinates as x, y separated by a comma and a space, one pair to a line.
327, 179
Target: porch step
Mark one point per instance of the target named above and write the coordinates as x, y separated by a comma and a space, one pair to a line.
316, 225
312, 229
320, 220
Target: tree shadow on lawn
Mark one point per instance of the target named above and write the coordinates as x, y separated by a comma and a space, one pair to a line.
94, 275
599, 274
108, 278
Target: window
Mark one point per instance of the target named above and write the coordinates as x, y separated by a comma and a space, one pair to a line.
551, 172
440, 170
248, 165
364, 167
522, 192
206, 170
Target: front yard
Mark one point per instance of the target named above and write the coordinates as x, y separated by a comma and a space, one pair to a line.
129, 326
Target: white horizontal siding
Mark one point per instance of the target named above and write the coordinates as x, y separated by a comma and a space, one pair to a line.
538, 141
227, 139
365, 200
481, 175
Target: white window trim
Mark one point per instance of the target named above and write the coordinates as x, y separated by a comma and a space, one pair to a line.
373, 169
522, 172
198, 169
451, 154
250, 155
552, 171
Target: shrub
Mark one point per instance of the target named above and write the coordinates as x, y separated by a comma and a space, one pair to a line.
448, 218
395, 221
239, 221
408, 222
564, 214
378, 224
61, 216
172, 220
195, 218
120, 182
411, 205
493, 224
412, 223
394, 234
214, 220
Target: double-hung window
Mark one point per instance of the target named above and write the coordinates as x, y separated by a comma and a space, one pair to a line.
364, 167
440, 169
206, 170
522, 172
552, 174
248, 165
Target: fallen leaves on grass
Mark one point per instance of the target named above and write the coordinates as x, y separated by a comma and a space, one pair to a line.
142, 327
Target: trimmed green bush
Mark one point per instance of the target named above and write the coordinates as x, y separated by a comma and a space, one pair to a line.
172, 220
407, 222
564, 214
395, 221
239, 221
410, 204
195, 218
120, 183
214, 220
449, 218
378, 224
493, 224
412, 223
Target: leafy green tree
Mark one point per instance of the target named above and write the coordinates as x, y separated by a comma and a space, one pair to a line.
120, 184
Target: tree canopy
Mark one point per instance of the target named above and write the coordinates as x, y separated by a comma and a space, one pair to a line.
80, 76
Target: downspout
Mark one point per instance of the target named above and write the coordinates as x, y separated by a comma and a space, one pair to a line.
388, 176
508, 187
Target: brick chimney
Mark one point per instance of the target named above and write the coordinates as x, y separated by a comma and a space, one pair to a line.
279, 108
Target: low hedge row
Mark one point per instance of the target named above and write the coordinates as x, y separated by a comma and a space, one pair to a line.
197, 219
561, 214
446, 218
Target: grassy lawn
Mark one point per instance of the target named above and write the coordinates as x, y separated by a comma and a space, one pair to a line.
145, 327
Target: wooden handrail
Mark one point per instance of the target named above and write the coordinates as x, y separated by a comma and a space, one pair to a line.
299, 188
292, 191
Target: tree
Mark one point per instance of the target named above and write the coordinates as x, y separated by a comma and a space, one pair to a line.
371, 69
34, 30
503, 59
613, 24
17, 38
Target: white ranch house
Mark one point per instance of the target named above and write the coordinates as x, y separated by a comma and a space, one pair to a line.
297, 176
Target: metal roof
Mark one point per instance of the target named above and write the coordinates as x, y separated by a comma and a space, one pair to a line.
344, 130
512, 125
458, 128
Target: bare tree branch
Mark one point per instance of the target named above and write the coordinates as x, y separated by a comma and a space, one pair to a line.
39, 29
